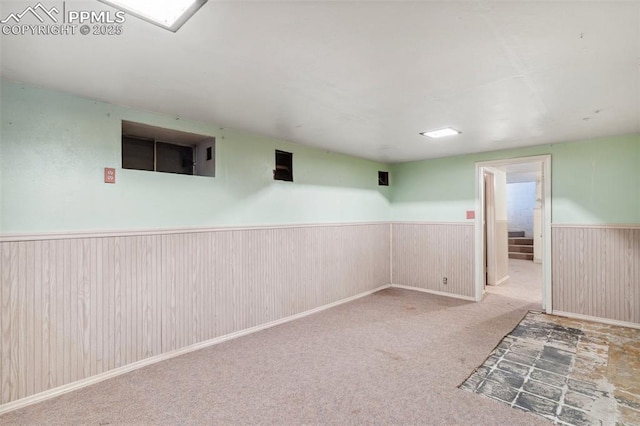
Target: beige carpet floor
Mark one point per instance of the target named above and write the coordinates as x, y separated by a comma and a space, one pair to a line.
395, 357
525, 282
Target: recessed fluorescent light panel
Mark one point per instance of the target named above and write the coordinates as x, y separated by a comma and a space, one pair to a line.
441, 133
169, 15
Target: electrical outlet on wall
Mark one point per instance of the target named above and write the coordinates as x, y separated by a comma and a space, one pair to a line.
444, 280
109, 175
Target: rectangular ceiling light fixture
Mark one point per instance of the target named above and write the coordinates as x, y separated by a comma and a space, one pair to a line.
448, 131
170, 15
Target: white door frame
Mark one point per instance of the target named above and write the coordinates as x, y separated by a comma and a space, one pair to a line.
481, 166
489, 221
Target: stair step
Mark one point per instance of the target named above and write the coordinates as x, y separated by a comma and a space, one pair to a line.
521, 241
520, 249
523, 256
516, 234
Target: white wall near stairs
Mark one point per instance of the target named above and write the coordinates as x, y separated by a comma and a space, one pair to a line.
521, 200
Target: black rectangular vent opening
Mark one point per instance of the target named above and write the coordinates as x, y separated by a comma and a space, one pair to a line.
383, 178
284, 166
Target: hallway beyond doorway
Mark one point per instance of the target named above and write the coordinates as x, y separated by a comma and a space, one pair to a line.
525, 282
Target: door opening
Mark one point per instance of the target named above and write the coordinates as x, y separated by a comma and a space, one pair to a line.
492, 261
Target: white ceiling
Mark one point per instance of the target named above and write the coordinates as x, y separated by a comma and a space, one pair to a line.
364, 77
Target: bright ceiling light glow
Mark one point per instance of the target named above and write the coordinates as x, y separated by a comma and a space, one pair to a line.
166, 14
448, 131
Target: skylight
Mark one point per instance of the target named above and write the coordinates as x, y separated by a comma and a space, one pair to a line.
448, 131
170, 15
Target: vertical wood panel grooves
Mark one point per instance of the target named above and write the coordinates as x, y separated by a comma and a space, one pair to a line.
424, 253
76, 307
596, 273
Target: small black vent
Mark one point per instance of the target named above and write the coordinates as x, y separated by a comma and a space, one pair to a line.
383, 178
284, 166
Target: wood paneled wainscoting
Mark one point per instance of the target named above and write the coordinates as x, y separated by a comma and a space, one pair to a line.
596, 271
74, 308
425, 253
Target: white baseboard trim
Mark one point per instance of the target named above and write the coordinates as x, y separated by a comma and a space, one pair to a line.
437, 293
60, 390
597, 319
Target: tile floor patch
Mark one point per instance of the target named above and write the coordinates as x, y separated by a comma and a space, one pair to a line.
550, 378
585, 388
498, 391
556, 355
506, 378
569, 371
537, 388
552, 367
512, 367
520, 359
576, 399
576, 417
536, 404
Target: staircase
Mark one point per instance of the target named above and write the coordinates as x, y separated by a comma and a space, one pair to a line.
520, 247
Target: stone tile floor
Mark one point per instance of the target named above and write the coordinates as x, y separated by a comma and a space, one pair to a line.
569, 371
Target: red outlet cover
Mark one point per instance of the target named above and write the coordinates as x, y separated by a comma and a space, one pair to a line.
471, 214
109, 175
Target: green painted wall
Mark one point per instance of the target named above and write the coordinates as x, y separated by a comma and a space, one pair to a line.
54, 147
593, 182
